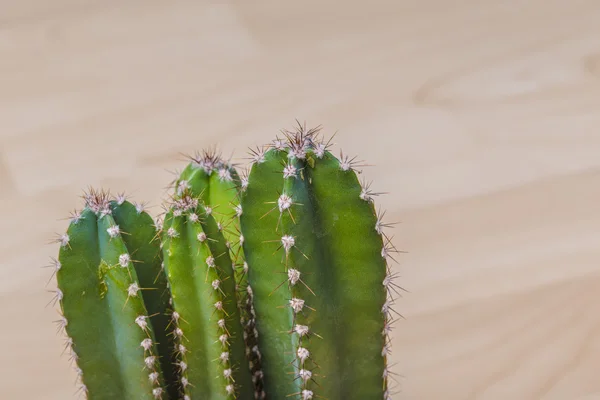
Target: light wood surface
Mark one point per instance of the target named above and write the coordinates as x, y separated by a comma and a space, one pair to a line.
481, 120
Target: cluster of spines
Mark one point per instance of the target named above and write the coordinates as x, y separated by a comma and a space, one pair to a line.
99, 203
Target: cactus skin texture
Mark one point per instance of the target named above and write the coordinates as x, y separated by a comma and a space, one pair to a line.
110, 329
215, 181
205, 319
318, 273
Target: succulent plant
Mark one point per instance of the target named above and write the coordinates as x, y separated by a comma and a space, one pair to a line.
206, 321
113, 298
275, 283
215, 182
318, 272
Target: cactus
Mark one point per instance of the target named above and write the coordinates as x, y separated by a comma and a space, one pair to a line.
206, 321
215, 181
276, 284
318, 272
113, 311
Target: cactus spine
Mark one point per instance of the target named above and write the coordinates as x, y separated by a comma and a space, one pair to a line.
318, 271
110, 328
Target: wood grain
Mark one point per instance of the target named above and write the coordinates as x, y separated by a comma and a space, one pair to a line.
481, 120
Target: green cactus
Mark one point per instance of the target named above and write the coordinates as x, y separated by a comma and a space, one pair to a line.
273, 284
112, 311
318, 272
205, 319
215, 181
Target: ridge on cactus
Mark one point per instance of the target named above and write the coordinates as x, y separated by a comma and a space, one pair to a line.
271, 283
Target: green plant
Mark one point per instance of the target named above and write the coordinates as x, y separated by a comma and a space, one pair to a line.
273, 284
114, 299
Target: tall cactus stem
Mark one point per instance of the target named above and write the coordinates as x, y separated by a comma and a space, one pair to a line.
216, 182
317, 256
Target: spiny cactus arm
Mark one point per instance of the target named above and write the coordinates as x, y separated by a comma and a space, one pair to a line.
143, 243
336, 272
205, 318
266, 273
104, 313
217, 184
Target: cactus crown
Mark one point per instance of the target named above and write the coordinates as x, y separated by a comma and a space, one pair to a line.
270, 283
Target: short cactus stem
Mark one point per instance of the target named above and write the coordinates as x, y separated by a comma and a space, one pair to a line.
316, 271
109, 327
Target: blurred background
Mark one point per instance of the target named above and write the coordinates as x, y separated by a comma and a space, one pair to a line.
480, 120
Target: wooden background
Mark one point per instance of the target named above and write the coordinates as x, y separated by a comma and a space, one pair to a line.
481, 119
